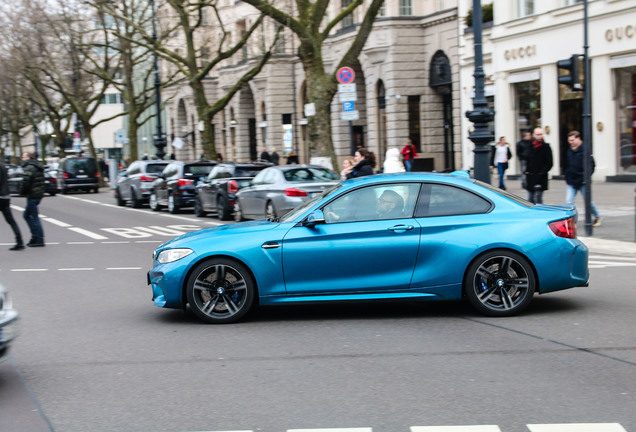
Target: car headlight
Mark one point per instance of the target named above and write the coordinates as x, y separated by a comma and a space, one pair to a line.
171, 255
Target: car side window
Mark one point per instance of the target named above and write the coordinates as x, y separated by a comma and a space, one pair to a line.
133, 168
381, 202
447, 200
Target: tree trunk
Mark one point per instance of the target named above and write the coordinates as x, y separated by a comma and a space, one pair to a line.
321, 91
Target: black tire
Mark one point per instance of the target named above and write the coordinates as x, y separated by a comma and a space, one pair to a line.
52, 193
270, 210
120, 200
134, 201
500, 283
238, 213
220, 291
173, 207
152, 201
223, 209
198, 208
96, 190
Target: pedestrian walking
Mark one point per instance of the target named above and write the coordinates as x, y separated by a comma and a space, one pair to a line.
499, 157
264, 155
409, 153
365, 162
274, 157
574, 173
5, 201
538, 163
392, 162
522, 148
292, 158
33, 190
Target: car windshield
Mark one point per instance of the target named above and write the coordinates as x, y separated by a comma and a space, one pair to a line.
307, 204
197, 170
155, 168
309, 175
507, 194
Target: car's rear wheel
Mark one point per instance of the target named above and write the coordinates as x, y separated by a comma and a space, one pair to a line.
223, 209
173, 207
153, 203
220, 291
198, 208
270, 210
238, 213
120, 200
500, 283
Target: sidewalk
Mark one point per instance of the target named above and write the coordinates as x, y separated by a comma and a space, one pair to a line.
616, 202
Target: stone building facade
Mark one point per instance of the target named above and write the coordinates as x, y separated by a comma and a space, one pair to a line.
407, 85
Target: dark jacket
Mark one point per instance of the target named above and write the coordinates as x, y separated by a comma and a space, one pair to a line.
523, 147
33, 179
363, 168
4, 181
574, 171
538, 163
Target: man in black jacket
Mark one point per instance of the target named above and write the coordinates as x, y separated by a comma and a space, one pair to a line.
5, 201
523, 147
538, 164
574, 173
33, 190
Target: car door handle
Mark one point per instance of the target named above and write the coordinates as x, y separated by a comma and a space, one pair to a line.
401, 228
270, 245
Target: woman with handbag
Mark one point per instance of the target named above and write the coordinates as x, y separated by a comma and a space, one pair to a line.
499, 156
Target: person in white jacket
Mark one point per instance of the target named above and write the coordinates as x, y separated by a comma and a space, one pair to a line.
392, 162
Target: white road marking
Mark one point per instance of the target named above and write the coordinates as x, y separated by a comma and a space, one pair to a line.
332, 430
30, 270
123, 268
76, 269
577, 427
474, 428
88, 233
55, 221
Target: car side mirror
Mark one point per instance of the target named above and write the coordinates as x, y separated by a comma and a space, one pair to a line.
315, 218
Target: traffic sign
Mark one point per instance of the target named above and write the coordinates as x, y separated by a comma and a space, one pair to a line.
345, 75
346, 88
348, 106
350, 115
348, 97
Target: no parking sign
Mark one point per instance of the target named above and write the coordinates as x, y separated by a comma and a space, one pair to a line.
345, 75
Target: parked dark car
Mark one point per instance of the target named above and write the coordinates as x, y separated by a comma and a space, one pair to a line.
50, 180
135, 184
217, 192
279, 189
174, 187
15, 173
77, 173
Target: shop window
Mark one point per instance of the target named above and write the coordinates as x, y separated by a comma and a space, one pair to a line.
527, 106
626, 82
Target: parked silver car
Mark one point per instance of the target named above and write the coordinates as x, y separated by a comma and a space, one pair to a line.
277, 190
8, 323
136, 184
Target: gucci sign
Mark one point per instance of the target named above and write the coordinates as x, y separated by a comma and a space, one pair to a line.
620, 32
521, 52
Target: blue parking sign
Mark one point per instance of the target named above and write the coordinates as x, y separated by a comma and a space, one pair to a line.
348, 106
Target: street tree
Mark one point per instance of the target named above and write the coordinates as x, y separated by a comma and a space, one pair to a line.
193, 40
311, 25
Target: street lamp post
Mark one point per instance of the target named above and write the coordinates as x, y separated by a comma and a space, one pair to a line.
587, 127
481, 114
159, 138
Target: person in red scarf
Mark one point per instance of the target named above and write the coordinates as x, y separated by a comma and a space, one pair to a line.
538, 164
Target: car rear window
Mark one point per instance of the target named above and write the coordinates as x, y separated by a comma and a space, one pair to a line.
197, 170
155, 168
74, 166
247, 172
309, 175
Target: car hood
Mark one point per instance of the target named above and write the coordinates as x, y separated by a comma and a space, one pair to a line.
243, 228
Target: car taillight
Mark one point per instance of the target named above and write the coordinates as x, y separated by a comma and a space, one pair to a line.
97, 174
53, 180
293, 192
145, 178
232, 186
65, 175
185, 182
565, 228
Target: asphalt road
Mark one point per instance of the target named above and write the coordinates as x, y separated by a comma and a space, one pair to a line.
95, 354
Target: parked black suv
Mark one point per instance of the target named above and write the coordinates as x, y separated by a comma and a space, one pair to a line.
77, 173
174, 187
218, 191
135, 185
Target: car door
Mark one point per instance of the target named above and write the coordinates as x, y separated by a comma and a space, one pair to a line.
161, 184
205, 188
252, 198
360, 251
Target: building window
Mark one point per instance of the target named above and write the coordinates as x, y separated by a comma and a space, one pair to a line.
525, 7
406, 7
626, 84
112, 98
527, 106
348, 20
572, 2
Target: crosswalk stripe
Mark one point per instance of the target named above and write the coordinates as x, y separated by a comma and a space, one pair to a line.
332, 430
474, 428
577, 427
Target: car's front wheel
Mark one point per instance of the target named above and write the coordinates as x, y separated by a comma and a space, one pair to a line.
270, 210
220, 291
238, 213
223, 209
500, 283
198, 208
120, 200
153, 202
